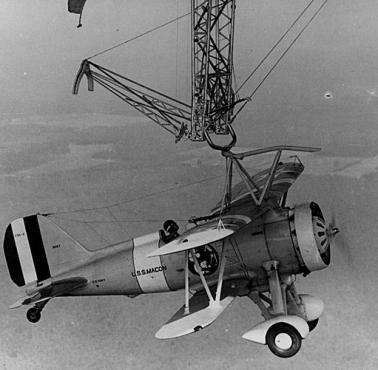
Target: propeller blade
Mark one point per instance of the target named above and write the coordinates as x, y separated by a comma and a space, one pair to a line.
341, 243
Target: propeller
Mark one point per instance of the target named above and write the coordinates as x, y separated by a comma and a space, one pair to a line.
332, 230
341, 244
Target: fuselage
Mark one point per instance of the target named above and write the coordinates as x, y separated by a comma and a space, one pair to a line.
125, 268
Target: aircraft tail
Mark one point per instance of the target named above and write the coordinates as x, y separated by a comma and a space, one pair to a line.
36, 249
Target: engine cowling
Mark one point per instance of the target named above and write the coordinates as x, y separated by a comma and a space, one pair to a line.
312, 236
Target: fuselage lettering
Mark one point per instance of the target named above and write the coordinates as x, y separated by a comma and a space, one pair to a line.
98, 281
147, 271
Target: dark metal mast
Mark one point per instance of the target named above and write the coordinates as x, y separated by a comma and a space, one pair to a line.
212, 64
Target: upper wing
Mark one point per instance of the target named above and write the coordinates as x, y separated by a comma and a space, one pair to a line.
204, 234
283, 179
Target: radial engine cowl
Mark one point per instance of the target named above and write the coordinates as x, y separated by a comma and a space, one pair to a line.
312, 236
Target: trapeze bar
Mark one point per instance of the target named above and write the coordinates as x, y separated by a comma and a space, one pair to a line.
272, 149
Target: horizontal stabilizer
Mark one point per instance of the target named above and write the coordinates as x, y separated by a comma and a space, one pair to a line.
194, 321
24, 301
203, 234
54, 289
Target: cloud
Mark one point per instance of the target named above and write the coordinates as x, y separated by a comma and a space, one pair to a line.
78, 157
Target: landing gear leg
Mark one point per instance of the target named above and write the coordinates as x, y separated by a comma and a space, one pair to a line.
277, 303
296, 306
257, 297
282, 333
277, 291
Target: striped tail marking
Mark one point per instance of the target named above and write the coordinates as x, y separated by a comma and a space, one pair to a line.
24, 251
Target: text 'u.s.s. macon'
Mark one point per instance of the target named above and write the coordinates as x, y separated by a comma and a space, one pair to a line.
148, 271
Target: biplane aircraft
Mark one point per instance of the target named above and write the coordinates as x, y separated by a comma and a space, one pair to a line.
250, 244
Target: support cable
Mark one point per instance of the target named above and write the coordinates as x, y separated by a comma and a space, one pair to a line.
140, 35
135, 199
248, 99
117, 221
274, 47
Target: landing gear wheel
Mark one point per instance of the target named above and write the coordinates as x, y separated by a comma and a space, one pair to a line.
283, 340
33, 315
312, 324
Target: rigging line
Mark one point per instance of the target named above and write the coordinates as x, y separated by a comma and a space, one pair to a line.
139, 36
188, 59
275, 45
138, 198
248, 99
177, 42
239, 256
96, 232
110, 77
236, 93
118, 220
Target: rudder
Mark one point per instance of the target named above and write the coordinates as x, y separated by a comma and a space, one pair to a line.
35, 249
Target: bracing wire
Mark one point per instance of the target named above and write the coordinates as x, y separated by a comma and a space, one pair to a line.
136, 199
117, 220
140, 35
120, 221
248, 99
177, 46
274, 46
97, 233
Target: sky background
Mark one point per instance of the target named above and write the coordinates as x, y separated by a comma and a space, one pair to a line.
62, 152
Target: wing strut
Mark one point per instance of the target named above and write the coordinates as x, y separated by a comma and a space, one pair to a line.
201, 310
186, 310
221, 272
212, 302
258, 192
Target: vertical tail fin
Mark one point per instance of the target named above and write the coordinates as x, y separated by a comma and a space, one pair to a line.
35, 249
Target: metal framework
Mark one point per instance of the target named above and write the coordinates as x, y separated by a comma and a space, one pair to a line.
211, 111
212, 96
212, 65
169, 113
